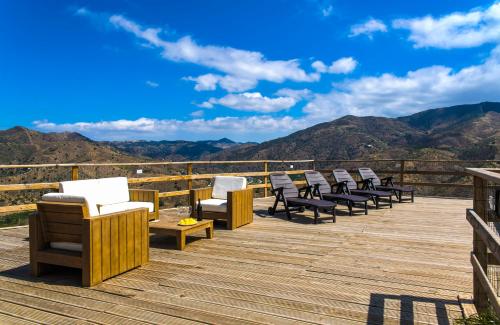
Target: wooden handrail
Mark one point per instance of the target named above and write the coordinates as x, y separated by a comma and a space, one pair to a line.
484, 232
486, 242
264, 174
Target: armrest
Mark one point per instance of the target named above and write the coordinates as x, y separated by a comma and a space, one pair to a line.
387, 181
114, 243
198, 194
239, 207
307, 190
143, 195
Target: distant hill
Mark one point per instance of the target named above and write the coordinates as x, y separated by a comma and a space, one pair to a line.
459, 132
173, 150
20, 145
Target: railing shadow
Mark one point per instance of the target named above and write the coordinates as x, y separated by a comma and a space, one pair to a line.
407, 306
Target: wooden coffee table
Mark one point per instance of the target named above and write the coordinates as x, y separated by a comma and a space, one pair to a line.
180, 232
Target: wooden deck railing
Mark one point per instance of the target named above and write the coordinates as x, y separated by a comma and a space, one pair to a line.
485, 256
404, 170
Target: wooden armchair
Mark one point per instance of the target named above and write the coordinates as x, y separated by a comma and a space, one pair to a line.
234, 205
140, 195
102, 246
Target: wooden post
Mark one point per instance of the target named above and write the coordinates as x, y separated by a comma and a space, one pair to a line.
402, 173
313, 165
74, 173
479, 248
265, 178
189, 169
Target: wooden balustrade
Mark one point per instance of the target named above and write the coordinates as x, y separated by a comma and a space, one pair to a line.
486, 241
401, 169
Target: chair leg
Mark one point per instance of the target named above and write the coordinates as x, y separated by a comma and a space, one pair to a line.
412, 196
38, 268
316, 215
366, 208
287, 210
272, 210
400, 196
376, 202
390, 201
349, 206
334, 215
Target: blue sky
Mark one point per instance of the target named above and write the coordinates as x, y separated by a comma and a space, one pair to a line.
247, 70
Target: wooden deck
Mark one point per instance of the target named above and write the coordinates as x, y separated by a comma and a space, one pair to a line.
397, 266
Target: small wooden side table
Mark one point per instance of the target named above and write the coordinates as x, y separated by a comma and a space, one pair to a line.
180, 232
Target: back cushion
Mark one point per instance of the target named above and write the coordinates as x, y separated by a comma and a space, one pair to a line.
283, 180
88, 188
341, 175
314, 178
224, 184
368, 173
113, 190
70, 198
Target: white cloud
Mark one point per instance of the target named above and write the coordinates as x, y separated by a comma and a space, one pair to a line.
198, 113
327, 11
242, 67
239, 129
253, 102
210, 81
152, 84
456, 30
341, 66
368, 28
297, 94
391, 95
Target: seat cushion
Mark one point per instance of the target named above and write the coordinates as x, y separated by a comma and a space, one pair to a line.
224, 184
214, 205
123, 206
67, 246
70, 198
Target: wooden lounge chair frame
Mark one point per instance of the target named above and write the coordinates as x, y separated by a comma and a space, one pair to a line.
239, 206
300, 202
111, 244
386, 184
337, 195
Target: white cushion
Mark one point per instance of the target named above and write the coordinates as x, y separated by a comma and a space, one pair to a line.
75, 247
113, 190
224, 184
123, 206
69, 198
214, 205
87, 188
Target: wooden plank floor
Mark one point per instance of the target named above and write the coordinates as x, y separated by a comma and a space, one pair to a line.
395, 266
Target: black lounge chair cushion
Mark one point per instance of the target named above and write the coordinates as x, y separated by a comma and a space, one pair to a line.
346, 197
396, 188
321, 204
374, 193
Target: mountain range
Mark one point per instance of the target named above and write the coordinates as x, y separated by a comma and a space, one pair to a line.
460, 132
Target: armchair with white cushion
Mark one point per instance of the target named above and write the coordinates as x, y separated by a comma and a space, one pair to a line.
229, 199
98, 225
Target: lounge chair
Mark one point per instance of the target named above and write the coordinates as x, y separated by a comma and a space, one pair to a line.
293, 200
323, 190
385, 184
350, 186
229, 199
